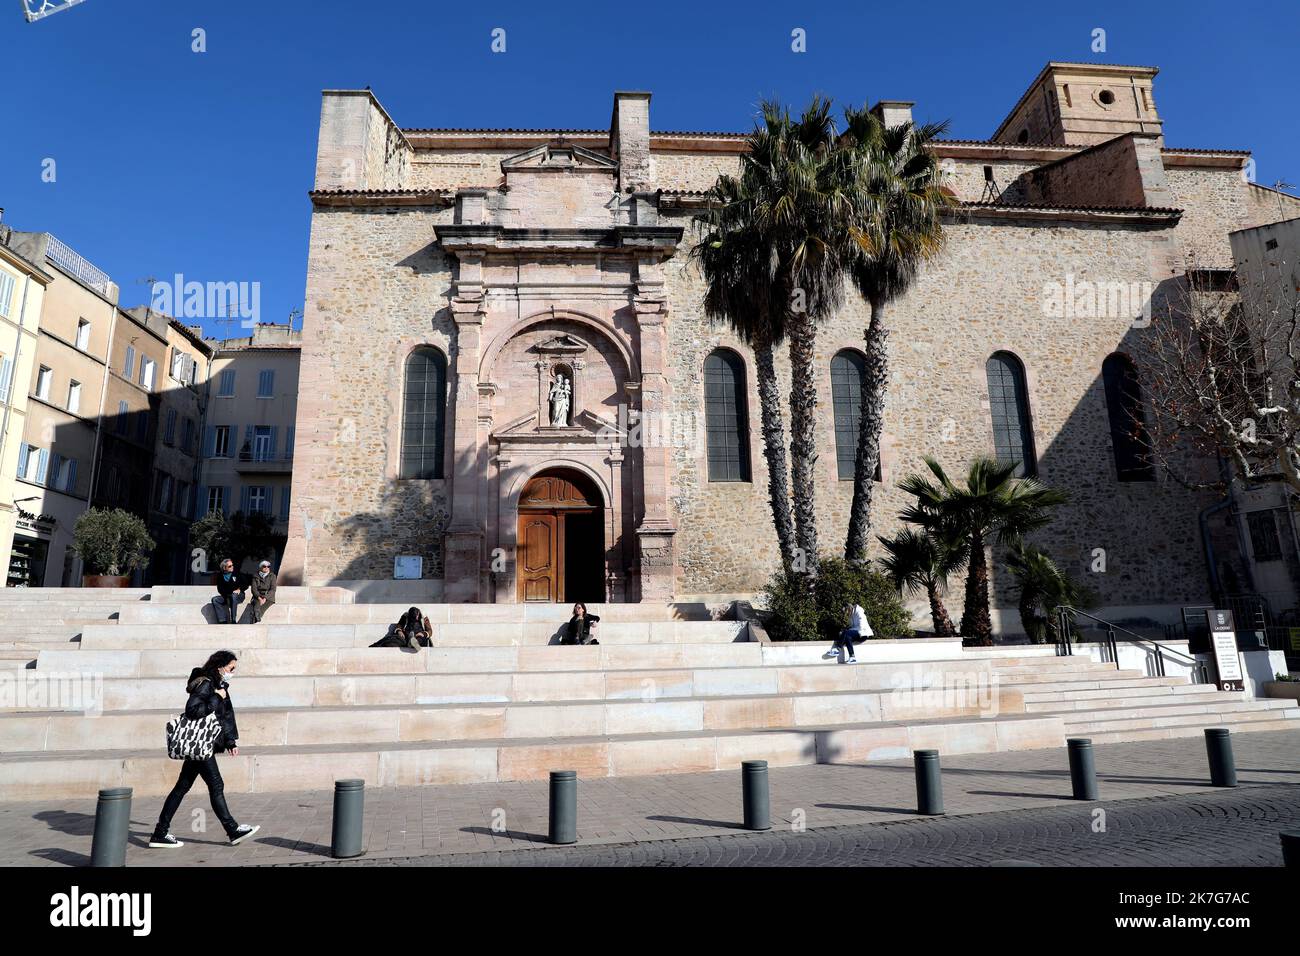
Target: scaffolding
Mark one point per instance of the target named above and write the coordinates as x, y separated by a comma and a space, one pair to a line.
40, 9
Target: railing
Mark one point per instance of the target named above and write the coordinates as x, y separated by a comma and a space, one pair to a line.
77, 265
1066, 620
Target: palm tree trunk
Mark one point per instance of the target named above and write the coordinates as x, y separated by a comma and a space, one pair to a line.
975, 621
869, 430
803, 437
778, 469
938, 613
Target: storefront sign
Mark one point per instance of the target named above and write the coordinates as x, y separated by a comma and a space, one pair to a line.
1223, 642
39, 524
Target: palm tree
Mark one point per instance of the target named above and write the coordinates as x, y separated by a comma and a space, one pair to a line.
736, 265
918, 561
993, 505
898, 202
782, 225
1043, 586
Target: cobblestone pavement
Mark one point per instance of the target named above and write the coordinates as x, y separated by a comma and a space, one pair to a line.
1025, 796
1231, 828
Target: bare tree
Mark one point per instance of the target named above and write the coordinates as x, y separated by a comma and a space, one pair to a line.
1222, 362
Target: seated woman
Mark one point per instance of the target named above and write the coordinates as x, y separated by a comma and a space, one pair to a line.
580, 628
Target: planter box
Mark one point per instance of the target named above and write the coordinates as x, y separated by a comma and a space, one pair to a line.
1284, 689
106, 581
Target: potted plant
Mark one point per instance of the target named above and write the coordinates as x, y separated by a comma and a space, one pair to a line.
111, 543
1285, 687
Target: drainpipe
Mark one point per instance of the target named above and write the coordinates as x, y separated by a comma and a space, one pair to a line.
1215, 585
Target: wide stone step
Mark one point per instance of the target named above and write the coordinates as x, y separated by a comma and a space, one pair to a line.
63, 775
268, 635
71, 689
259, 727
1223, 702
1204, 717
1120, 697
286, 611
1286, 720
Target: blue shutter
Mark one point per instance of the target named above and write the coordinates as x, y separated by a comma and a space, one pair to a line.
226, 503
70, 486
248, 440
55, 461
209, 441
42, 465
129, 370
243, 498
201, 501
284, 502
275, 442
6, 378
24, 450
288, 443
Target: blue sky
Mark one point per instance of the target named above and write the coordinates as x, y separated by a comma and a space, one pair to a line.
174, 161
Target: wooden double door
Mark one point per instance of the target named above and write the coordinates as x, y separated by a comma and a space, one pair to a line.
561, 543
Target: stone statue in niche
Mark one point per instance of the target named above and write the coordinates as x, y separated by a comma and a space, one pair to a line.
561, 393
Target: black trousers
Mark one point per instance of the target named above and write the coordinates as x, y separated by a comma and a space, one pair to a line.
190, 770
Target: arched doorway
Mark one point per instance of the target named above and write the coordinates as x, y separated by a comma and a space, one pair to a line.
561, 539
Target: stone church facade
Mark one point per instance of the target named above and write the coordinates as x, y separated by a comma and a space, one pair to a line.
507, 372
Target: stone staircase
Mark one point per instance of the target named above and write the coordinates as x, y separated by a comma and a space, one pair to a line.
670, 688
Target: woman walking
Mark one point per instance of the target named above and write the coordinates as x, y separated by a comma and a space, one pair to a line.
209, 691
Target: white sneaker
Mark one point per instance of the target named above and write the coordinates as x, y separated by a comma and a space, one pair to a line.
831, 653
243, 833
853, 660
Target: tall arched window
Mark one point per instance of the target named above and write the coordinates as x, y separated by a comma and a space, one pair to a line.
725, 417
848, 382
1127, 419
424, 414
1013, 436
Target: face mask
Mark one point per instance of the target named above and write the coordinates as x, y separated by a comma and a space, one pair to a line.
228, 676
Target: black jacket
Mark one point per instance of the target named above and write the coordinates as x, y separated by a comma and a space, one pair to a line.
578, 630
205, 700
226, 588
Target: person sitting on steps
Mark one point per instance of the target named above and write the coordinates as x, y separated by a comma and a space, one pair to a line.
230, 594
858, 628
581, 627
412, 630
263, 588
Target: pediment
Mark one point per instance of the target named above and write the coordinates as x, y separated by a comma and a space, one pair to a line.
557, 155
562, 344
587, 427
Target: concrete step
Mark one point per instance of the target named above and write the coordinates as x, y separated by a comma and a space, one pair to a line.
1124, 697
63, 775
1238, 713
333, 684
72, 595
287, 612
354, 724
1285, 720
1223, 702
269, 635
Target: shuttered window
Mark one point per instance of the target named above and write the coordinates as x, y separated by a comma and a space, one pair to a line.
725, 417
424, 414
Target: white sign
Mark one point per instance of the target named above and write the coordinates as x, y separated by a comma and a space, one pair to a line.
408, 566
1223, 642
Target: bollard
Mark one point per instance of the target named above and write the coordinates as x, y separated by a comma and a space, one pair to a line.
929, 786
758, 803
564, 806
1290, 848
1218, 746
112, 825
349, 815
1083, 770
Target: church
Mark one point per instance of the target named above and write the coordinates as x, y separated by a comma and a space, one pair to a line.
510, 392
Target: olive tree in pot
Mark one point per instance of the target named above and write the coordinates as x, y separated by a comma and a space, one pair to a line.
111, 543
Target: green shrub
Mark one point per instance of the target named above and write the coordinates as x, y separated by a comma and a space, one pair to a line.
795, 615
111, 541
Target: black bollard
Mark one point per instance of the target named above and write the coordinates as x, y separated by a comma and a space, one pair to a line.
349, 816
1291, 848
929, 786
1218, 746
112, 825
564, 806
1083, 770
758, 803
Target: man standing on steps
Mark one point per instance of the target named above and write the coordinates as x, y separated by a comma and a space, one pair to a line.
229, 594
263, 588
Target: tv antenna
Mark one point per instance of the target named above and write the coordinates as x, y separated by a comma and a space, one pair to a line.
1280, 188
40, 9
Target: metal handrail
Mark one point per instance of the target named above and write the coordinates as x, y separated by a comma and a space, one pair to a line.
1064, 613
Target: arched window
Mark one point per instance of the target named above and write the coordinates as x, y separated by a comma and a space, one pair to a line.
424, 414
725, 417
1127, 420
848, 382
1013, 436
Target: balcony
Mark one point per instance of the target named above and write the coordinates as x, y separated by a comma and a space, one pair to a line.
250, 463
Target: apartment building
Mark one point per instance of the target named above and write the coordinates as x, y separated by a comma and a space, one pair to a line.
62, 426
249, 434
181, 405
22, 291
